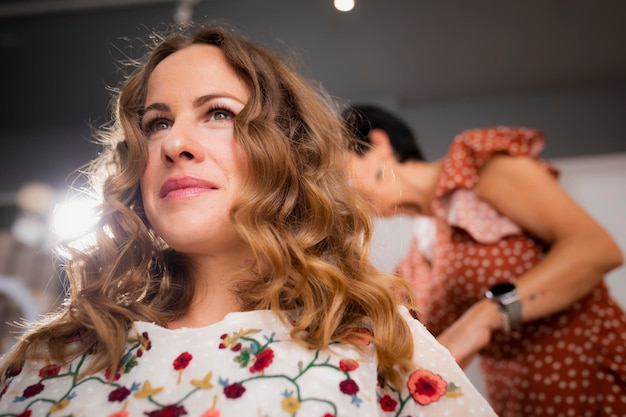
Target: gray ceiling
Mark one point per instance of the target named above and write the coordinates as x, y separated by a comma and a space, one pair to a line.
57, 57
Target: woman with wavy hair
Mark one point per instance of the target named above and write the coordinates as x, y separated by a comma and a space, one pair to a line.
230, 271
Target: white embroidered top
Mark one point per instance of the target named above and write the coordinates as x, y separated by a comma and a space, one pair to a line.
245, 365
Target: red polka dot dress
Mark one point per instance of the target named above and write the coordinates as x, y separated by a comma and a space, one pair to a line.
572, 363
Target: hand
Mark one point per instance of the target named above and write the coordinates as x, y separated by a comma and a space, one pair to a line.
471, 332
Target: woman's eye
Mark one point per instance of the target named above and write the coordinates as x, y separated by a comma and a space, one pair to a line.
161, 125
157, 125
221, 114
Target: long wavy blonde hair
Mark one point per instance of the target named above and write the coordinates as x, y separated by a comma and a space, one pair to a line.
309, 231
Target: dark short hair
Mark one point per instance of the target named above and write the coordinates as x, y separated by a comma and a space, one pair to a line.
362, 119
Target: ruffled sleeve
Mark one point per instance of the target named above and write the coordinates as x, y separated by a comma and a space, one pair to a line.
454, 199
438, 386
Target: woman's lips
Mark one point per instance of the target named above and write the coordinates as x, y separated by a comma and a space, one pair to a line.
181, 187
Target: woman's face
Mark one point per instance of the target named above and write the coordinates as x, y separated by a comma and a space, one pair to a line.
373, 177
195, 166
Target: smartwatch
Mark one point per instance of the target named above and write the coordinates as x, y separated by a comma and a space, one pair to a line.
505, 294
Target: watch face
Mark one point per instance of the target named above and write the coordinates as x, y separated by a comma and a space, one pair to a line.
501, 289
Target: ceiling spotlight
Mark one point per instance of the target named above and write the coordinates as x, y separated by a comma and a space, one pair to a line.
344, 5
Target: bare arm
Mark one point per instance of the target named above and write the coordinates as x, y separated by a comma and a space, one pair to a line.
581, 251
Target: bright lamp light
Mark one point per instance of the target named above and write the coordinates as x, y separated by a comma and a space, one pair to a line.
74, 219
344, 5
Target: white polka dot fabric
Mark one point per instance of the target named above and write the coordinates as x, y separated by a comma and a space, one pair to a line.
569, 364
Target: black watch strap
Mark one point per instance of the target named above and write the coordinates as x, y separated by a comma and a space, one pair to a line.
508, 299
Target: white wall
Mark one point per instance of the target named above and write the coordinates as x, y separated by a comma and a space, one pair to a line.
598, 184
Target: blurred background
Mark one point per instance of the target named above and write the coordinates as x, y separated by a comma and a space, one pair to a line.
444, 66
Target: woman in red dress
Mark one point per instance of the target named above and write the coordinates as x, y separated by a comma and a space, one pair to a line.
503, 264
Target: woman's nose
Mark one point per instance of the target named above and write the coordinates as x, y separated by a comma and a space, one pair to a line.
181, 144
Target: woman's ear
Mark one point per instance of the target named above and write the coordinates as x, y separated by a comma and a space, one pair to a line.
381, 143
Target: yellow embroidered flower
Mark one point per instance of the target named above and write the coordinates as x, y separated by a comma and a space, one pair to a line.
212, 412
290, 405
232, 342
453, 391
143, 340
61, 405
147, 390
203, 383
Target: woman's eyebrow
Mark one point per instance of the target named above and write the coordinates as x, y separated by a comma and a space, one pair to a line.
155, 106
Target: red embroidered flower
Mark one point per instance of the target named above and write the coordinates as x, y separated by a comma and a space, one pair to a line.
328, 415
263, 360
387, 403
426, 387
223, 337
119, 394
182, 361
235, 390
236, 347
348, 365
146, 344
14, 370
108, 374
349, 387
33, 390
49, 371
169, 411
26, 413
